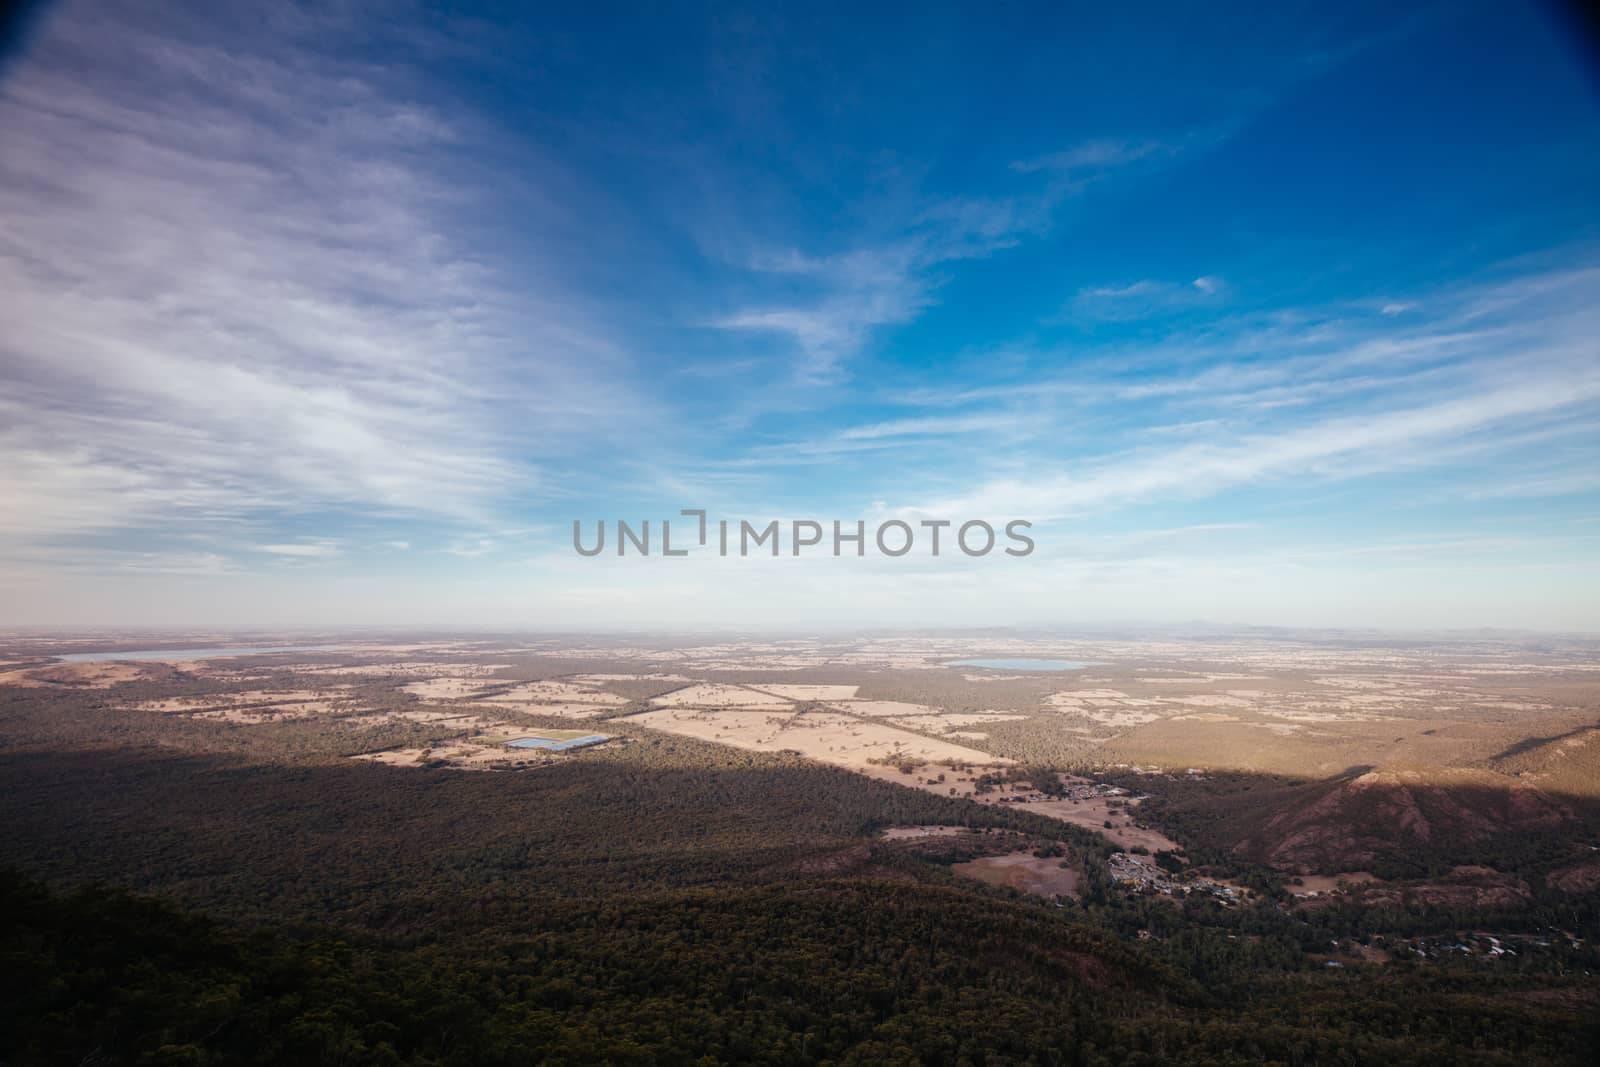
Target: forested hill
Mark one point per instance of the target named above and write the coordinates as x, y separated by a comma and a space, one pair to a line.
835, 972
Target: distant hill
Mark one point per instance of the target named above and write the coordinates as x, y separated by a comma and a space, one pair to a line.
1398, 822
1566, 764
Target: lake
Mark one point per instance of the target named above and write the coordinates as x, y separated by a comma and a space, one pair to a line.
1023, 664
189, 653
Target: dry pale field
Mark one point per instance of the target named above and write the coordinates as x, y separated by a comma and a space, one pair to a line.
555, 693
712, 695
807, 692
84, 675
450, 721
429, 715
270, 713
828, 736
559, 711
1093, 813
225, 701
1328, 883
455, 688
1025, 872
885, 708
909, 833
937, 723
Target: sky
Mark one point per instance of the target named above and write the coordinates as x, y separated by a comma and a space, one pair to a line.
342, 314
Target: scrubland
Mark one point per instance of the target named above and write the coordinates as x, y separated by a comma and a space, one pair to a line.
1217, 811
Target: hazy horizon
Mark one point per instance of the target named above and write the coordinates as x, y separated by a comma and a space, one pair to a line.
1123, 629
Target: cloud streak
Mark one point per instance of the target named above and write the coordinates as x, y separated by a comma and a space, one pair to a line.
231, 289
893, 282
1384, 441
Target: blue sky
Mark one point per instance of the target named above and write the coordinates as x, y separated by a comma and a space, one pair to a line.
344, 316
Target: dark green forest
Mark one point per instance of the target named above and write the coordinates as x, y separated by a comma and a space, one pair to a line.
850, 972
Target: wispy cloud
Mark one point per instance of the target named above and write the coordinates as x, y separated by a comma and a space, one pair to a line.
1092, 157
893, 281
933, 426
231, 289
1562, 483
307, 550
1389, 440
1146, 297
471, 548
